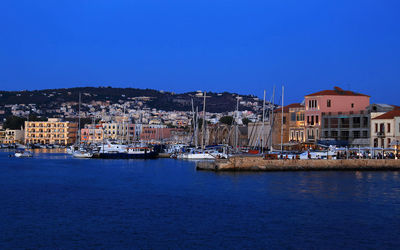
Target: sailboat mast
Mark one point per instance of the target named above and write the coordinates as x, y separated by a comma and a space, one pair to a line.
204, 122
283, 92
236, 124
263, 124
123, 126
79, 119
194, 124
272, 120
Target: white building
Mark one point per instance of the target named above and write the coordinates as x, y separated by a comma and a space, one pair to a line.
385, 129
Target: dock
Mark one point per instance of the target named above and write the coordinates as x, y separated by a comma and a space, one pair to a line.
258, 163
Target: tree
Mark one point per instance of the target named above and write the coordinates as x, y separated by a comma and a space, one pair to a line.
14, 122
246, 121
226, 120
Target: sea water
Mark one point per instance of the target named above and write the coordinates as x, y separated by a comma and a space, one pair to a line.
54, 201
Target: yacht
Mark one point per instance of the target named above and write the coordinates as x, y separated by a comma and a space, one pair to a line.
207, 154
128, 153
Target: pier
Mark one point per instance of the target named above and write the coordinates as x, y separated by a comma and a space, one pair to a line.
253, 163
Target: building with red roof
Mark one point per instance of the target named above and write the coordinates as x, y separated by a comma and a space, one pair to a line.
385, 129
328, 102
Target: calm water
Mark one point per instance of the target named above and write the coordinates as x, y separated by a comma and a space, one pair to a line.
54, 201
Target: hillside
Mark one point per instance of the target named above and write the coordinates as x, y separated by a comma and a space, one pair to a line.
168, 101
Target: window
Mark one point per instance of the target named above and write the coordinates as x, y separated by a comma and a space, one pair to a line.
308, 119
352, 105
309, 103
376, 127
312, 120
326, 123
316, 119
365, 122
328, 103
293, 116
388, 142
284, 120
388, 127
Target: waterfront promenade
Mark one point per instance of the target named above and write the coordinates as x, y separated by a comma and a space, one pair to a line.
252, 163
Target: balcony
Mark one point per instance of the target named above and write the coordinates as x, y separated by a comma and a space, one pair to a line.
380, 134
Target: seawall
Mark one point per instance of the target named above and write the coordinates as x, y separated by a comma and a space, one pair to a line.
251, 163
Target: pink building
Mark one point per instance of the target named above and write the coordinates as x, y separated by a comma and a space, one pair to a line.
92, 134
328, 102
148, 134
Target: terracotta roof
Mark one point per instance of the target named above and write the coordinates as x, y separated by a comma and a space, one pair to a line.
396, 107
286, 108
337, 91
389, 115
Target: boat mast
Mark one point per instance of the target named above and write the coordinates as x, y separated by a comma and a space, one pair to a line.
194, 125
272, 120
204, 121
236, 123
263, 124
197, 127
283, 91
79, 120
123, 125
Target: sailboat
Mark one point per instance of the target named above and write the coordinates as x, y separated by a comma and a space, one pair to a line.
201, 154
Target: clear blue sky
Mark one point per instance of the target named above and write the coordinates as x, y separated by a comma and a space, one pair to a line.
239, 46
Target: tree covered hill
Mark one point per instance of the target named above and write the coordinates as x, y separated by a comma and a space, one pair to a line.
168, 101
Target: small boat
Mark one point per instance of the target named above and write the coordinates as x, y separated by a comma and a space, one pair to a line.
82, 154
202, 155
22, 154
129, 153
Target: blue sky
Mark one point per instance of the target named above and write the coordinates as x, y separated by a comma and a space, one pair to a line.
237, 46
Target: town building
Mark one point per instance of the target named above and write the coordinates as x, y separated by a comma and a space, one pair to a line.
122, 131
92, 134
385, 129
283, 125
327, 103
12, 136
52, 131
259, 134
296, 123
345, 129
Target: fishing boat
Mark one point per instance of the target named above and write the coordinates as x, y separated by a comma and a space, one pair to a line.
23, 154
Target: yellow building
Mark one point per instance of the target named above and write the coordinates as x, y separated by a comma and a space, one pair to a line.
2, 135
117, 131
11, 136
53, 131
